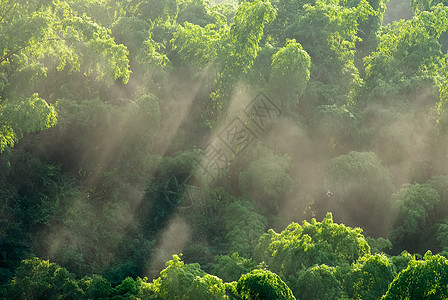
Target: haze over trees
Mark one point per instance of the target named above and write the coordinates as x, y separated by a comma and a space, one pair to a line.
187, 149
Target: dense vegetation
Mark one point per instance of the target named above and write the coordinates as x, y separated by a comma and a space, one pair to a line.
261, 149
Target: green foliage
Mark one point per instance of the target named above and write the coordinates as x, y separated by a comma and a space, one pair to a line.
144, 119
84, 241
90, 229
198, 45
90, 128
401, 261
231, 267
263, 284
246, 32
243, 226
29, 115
40, 279
360, 188
335, 125
41, 193
379, 245
370, 277
239, 50
422, 279
319, 282
144, 52
199, 12
154, 10
126, 288
33, 196
416, 204
369, 28
131, 32
35, 37
315, 243
95, 286
424, 5
406, 57
442, 233
266, 181
328, 33
440, 184
180, 281
122, 85
290, 73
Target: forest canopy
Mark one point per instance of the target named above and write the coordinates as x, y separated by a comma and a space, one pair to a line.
200, 149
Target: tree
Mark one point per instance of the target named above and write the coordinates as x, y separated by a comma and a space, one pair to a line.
369, 28
21, 117
199, 12
147, 58
335, 127
318, 282
131, 32
360, 188
198, 45
440, 184
422, 279
290, 73
95, 286
239, 50
180, 281
425, 5
406, 59
442, 234
38, 32
302, 246
231, 267
243, 226
402, 261
153, 10
416, 203
266, 181
40, 279
328, 33
34, 195
262, 284
369, 277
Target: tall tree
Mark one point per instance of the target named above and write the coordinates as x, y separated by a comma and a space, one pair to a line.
262, 284
34, 33
181, 281
422, 279
302, 246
